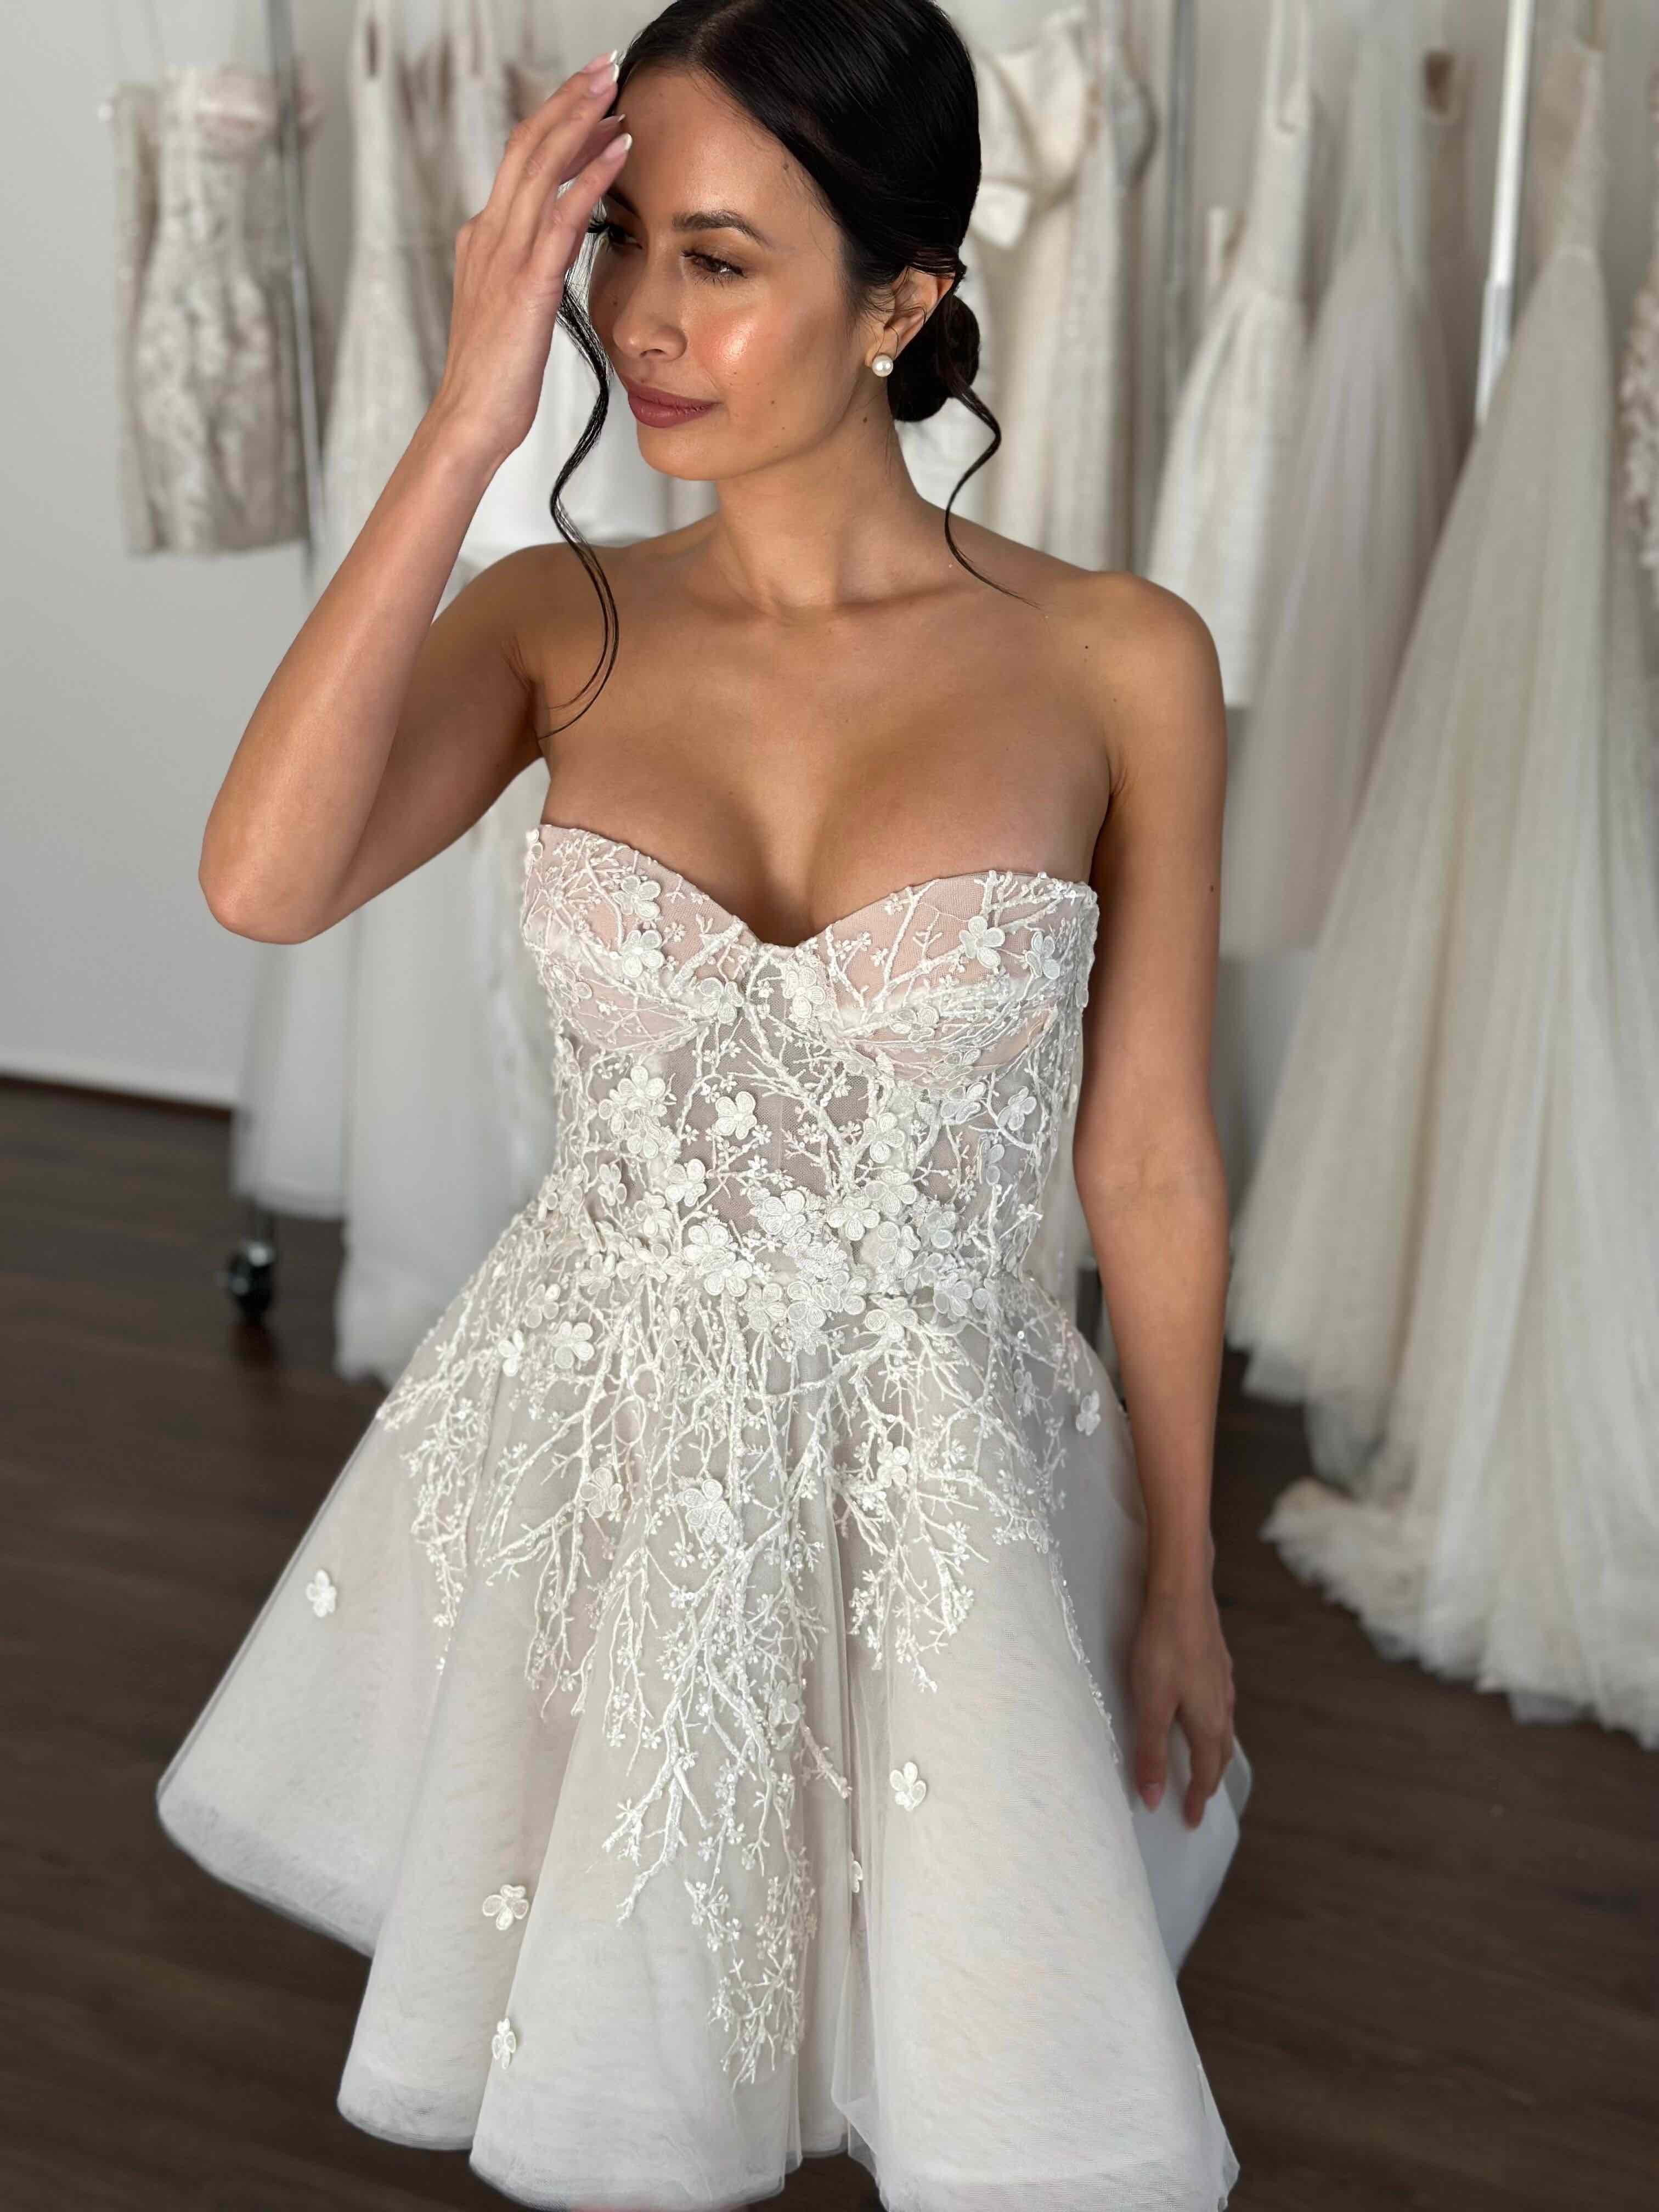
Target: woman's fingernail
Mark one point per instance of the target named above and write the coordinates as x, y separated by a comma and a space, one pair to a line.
600, 62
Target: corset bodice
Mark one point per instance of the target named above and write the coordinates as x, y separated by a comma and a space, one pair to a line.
858, 1123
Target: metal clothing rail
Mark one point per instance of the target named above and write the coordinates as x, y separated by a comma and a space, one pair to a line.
1497, 307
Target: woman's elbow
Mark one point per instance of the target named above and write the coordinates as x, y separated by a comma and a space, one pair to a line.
234, 907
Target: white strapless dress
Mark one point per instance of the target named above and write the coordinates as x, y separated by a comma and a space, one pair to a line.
704, 1690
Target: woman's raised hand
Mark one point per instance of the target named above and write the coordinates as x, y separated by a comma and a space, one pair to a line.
510, 258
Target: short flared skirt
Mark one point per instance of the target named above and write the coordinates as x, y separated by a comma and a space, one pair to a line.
982, 1965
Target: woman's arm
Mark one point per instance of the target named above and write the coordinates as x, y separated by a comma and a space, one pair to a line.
383, 735
1148, 1164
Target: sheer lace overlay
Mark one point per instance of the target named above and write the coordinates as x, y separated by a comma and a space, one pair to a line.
776, 1266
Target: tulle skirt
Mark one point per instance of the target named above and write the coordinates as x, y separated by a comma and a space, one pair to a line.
987, 2012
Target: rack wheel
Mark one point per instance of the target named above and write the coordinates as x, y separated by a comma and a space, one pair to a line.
250, 1277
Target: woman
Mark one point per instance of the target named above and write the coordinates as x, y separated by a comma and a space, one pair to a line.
810, 1524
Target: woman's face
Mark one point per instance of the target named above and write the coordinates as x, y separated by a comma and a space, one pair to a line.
719, 279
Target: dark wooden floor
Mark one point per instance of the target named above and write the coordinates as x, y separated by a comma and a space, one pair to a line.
1431, 1981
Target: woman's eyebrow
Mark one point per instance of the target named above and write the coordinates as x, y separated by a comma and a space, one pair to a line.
699, 218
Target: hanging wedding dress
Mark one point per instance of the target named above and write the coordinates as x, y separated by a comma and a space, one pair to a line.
1065, 133
1227, 470
1091, 379
211, 359
1373, 469
447, 1126
289, 1139
133, 117
1638, 392
1450, 1247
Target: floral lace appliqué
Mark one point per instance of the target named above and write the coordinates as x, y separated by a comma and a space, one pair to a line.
508, 1903
771, 1297
908, 1788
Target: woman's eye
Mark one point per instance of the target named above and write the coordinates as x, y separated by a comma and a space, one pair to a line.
614, 235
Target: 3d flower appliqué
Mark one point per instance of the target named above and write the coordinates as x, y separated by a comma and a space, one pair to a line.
1088, 1412
734, 1116
508, 1903
504, 2042
322, 1593
909, 1787
858, 1877
980, 940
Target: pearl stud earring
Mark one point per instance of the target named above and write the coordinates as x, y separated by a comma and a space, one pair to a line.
882, 364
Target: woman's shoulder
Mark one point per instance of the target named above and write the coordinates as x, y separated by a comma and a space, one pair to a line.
1141, 658
546, 602
1142, 622
1153, 679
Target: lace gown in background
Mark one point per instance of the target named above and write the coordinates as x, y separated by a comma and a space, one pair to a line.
1450, 1246
210, 365
1373, 469
1227, 468
134, 155
704, 1689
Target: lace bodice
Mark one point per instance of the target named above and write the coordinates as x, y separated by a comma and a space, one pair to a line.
768, 1309
869, 1115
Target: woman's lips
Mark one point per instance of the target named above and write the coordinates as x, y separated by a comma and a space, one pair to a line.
663, 414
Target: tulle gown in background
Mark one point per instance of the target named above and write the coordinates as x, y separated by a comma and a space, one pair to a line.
705, 1689
1373, 471
291, 1146
1226, 472
1450, 1246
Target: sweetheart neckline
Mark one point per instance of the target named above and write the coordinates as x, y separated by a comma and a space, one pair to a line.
767, 944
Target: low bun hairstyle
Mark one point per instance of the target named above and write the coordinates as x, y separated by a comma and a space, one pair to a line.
876, 101
940, 363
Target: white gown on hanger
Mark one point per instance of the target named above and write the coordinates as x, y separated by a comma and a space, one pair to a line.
1450, 1247
1092, 380
1372, 471
1063, 132
446, 1130
1227, 468
289, 1141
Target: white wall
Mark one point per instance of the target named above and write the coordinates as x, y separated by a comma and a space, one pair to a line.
127, 682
